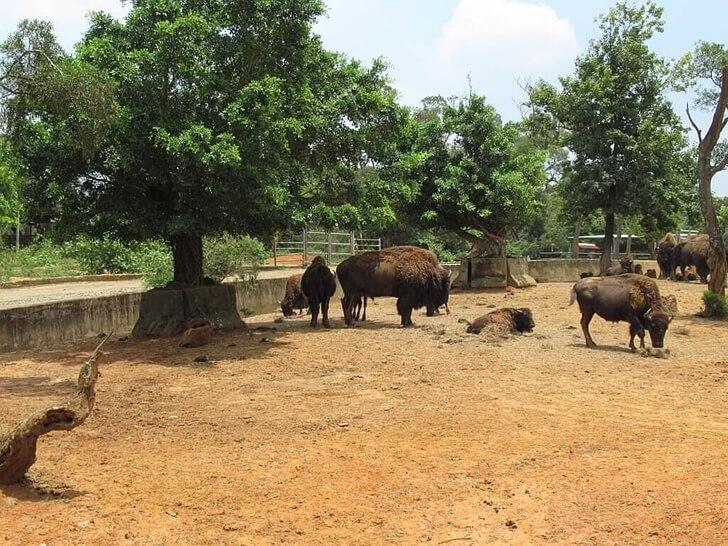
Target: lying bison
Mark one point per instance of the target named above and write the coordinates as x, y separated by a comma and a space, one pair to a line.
294, 298
318, 285
411, 274
626, 265
692, 252
630, 298
515, 320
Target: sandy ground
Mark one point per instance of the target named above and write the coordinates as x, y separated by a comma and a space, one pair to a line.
381, 435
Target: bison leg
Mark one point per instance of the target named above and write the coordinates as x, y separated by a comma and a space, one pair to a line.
636, 329
405, 311
325, 312
586, 317
313, 306
364, 316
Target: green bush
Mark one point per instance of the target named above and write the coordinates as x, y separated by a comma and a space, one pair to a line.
97, 256
447, 248
40, 260
233, 256
716, 305
153, 260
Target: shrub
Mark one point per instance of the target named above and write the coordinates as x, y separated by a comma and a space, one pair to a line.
229, 255
716, 305
105, 255
153, 260
40, 260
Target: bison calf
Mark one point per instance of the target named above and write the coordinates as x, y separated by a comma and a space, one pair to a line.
629, 298
319, 285
516, 320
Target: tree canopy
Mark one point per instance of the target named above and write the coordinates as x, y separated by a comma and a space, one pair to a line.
209, 117
625, 141
468, 175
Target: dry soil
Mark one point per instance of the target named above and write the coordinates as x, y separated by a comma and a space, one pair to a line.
379, 435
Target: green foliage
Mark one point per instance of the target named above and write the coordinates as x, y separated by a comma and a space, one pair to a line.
104, 255
471, 179
716, 305
229, 255
448, 248
625, 142
154, 263
12, 178
41, 260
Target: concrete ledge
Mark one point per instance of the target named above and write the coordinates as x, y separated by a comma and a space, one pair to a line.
67, 280
568, 270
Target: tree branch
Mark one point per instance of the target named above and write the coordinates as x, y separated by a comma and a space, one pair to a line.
695, 125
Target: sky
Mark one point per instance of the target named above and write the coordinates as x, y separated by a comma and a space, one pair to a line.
433, 46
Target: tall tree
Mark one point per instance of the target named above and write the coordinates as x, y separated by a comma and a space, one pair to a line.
621, 131
227, 116
469, 176
706, 71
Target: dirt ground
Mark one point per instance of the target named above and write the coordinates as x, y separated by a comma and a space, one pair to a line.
381, 435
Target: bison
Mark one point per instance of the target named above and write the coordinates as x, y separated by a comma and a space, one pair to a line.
515, 320
692, 252
411, 274
294, 298
665, 248
359, 309
318, 285
626, 265
630, 298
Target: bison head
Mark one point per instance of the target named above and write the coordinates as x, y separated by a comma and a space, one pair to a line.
656, 322
287, 307
523, 319
627, 265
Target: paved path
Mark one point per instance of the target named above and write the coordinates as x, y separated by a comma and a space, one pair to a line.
28, 296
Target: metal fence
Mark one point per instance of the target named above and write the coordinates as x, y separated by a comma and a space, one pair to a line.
335, 247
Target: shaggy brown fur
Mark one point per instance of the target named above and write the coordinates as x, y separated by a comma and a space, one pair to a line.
515, 320
665, 249
411, 274
294, 298
197, 335
318, 285
695, 252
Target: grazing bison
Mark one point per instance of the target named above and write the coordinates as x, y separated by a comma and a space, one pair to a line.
411, 274
516, 320
318, 285
294, 298
694, 251
626, 265
630, 298
665, 248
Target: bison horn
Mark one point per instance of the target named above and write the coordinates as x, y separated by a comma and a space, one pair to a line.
648, 314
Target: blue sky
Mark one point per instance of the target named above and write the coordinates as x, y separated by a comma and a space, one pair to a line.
432, 45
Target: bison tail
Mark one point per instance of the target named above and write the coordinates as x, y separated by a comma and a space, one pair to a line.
573, 295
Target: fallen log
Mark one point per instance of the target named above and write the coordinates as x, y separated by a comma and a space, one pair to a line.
17, 448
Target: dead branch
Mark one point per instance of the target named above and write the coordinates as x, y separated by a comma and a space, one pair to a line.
17, 449
695, 125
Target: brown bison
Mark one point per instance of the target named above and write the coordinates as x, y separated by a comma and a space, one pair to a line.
294, 298
515, 320
665, 248
318, 285
199, 333
692, 252
411, 274
626, 265
630, 298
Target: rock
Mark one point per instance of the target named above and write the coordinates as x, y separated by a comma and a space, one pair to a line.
511, 525
279, 320
123, 339
266, 340
343, 424
202, 359
651, 273
656, 353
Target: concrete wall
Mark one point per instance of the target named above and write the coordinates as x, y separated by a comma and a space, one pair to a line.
58, 324
571, 270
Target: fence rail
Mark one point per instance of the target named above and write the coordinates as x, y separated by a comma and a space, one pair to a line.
334, 246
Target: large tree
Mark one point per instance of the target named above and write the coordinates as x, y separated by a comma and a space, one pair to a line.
623, 136
468, 175
706, 72
228, 115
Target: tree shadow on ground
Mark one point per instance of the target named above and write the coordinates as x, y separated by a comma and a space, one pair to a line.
37, 488
37, 387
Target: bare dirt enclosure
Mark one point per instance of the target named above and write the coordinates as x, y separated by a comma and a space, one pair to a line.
377, 434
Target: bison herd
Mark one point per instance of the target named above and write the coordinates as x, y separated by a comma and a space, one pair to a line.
416, 279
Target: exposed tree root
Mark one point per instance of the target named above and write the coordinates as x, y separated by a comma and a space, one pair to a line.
17, 449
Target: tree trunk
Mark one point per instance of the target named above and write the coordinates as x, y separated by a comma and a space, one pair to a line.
628, 251
575, 240
187, 255
17, 449
717, 252
608, 244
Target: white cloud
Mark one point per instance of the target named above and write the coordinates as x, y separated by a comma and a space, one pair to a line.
507, 32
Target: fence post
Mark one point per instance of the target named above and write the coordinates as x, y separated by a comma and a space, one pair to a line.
305, 247
352, 243
328, 248
275, 251
379, 243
